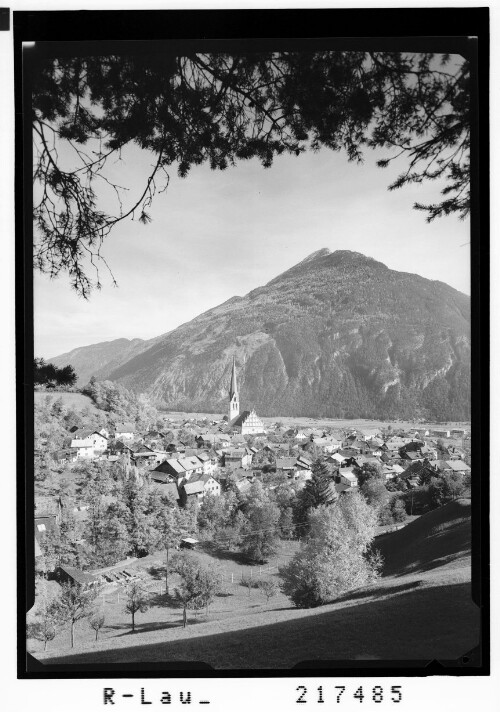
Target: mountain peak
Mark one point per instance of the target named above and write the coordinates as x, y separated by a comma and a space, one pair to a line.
324, 252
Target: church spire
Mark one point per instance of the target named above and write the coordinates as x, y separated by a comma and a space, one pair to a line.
233, 388
234, 399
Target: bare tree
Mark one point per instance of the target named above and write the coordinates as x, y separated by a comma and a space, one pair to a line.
96, 622
268, 588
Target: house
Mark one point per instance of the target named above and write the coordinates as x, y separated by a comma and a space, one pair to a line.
303, 464
237, 458
63, 456
458, 466
143, 455
438, 433
198, 487
337, 459
210, 462
391, 471
207, 439
99, 442
74, 576
369, 433
168, 486
286, 464
441, 466
192, 466
124, 431
345, 481
188, 542
82, 450
171, 467
328, 445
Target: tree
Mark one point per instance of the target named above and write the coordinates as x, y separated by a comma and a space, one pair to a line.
446, 488
212, 514
368, 471
47, 618
193, 108
137, 601
319, 490
172, 525
193, 590
76, 604
96, 622
375, 493
49, 374
260, 532
268, 588
334, 559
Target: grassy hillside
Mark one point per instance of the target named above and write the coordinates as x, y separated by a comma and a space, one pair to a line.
420, 610
77, 401
437, 540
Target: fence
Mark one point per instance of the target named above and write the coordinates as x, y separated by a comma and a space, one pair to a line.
154, 587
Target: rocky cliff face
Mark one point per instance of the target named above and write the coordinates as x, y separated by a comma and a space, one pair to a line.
338, 335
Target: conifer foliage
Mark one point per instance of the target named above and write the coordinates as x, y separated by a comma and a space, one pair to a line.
190, 109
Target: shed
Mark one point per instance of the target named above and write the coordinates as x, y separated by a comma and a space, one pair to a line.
188, 542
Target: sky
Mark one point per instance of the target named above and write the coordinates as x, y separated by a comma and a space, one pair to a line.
218, 234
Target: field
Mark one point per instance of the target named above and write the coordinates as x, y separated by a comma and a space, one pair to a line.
77, 401
334, 424
420, 609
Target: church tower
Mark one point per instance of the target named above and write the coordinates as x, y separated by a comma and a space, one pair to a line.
234, 399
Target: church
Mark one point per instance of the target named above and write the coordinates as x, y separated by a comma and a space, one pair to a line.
247, 422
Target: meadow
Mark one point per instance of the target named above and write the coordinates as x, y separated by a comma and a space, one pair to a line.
421, 609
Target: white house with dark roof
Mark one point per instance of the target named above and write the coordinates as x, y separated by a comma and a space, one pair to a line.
198, 487
124, 431
82, 449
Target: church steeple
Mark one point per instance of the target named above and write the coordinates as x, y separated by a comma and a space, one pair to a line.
234, 399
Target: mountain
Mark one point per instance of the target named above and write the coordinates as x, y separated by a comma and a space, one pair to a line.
101, 359
337, 335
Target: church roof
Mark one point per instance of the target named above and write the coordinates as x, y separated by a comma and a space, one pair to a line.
233, 388
240, 419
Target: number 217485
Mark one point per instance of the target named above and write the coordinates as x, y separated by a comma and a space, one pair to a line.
341, 693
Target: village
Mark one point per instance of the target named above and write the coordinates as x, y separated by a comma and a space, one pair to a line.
98, 513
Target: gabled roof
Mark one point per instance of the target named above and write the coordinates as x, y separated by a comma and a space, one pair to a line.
124, 428
190, 463
349, 476
81, 443
171, 465
458, 465
285, 463
194, 487
235, 452
203, 456
240, 419
77, 575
